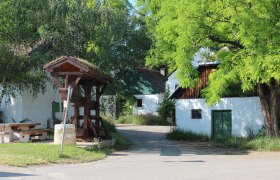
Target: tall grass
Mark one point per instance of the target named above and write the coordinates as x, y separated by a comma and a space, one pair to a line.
142, 120
257, 143
183, 135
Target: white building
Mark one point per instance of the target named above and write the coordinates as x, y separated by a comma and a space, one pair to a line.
38, 110
148, 90
237, 116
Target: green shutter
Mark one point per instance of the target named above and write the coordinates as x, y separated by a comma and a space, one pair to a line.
55, 107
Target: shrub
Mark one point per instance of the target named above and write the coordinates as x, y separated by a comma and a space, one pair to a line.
142, 120
179, 134
109, 123
167, 107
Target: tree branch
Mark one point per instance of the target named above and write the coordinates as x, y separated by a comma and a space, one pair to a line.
235, 43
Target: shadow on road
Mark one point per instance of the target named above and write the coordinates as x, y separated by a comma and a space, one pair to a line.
11, 174
149, 142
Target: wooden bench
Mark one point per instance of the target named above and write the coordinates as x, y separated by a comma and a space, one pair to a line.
25, 135
6, 137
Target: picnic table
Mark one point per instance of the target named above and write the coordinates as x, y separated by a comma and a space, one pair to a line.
21, 131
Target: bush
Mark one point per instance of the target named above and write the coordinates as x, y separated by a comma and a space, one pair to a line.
142, 120
179, 134
167, 107
109, 123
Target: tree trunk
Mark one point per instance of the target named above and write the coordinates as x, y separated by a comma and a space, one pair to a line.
268, 97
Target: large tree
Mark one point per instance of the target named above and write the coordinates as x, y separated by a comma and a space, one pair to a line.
248, 29
32, 32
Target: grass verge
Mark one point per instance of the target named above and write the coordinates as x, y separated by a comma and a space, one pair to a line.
143, 120
24, 154
257, 143
182, 135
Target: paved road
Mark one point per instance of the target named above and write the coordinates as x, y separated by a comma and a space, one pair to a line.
153, 157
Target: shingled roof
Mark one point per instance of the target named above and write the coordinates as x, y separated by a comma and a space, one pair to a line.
68, 64
154, 77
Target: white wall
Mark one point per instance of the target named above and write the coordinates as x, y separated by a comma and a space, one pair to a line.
11, 110
39, 109
246, 113
150, 104
171, 83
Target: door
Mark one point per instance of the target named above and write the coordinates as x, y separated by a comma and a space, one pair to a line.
221, 123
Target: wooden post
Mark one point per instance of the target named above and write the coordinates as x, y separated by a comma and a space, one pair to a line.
87, 91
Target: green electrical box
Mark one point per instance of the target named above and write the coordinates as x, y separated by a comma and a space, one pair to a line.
55, 107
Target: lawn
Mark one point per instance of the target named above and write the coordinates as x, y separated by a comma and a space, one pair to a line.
24, 154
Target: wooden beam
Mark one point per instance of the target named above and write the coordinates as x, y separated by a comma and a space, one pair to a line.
57, 82
67, 73
75, 83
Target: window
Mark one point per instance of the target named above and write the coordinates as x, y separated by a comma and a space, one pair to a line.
139, 103
196, 113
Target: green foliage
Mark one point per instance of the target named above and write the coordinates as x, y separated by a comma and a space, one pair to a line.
110, 124
250, 30
105, 32
182, 135
125, 102
121, 142
167, 107
245, 35
258, 143
142, 120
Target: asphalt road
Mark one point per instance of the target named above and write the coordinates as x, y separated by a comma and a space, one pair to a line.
153, 157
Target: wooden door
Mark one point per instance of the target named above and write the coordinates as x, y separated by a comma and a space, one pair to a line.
221, 123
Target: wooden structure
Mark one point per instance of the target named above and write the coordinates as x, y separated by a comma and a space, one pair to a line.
22, 131
204, 72
88, 82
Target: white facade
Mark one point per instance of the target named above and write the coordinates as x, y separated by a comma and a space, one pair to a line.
172, 83
38, 109
246, 115
150, 104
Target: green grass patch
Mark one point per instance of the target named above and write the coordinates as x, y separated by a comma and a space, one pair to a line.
143, 120
182, 135
257, 143
121, 142
24, 154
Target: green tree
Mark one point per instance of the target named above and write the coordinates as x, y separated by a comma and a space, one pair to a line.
33, 32
249, 29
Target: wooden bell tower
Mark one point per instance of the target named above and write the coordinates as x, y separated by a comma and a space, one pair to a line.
88, 83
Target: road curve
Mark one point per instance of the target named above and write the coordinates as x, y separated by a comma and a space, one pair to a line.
151, 156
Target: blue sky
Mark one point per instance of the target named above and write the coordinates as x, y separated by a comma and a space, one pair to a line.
133, 2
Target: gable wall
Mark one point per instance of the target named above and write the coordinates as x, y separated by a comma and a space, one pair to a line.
246, 114
150, 104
